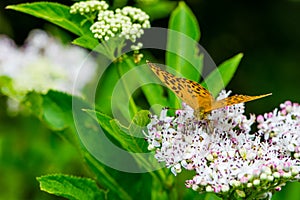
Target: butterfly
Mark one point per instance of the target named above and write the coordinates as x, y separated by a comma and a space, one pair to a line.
195, 95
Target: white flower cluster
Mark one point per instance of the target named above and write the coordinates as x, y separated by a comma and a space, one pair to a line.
86, 7
282, 127
228, 159
127, 23
44, 63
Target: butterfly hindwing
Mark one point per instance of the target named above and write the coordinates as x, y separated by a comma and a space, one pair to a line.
235, 99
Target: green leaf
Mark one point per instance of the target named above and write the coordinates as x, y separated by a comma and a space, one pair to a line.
132, 137
55, 13
121, 135
154, 93
183, 20
240, 193
86, 41
137, 126
106, 48
56, 111
221, 76
157, 10
34, 101
6, 87
5, 81
106, 179
53, 108
290, 191
108, 83
211, 196
71, 187
141, 119
116, 86
183, 53
121, 184
108, 152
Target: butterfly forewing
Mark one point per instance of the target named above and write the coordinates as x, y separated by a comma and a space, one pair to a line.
188, 91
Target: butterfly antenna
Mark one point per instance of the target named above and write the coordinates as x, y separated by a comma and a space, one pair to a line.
168, 108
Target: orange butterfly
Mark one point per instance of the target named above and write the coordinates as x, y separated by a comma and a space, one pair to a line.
195, 95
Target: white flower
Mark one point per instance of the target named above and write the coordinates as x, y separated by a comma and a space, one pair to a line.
127, 22
137, 47
224, 153
282, 127
43, 63
85, 7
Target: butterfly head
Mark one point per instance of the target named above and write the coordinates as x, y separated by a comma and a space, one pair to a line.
200, 113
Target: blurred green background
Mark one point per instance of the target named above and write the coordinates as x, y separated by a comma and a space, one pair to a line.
267, 32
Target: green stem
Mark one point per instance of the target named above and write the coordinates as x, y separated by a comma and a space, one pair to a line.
120, 47
160, 175
105, 177
109, 51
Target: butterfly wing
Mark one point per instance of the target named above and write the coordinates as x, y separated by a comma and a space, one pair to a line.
191, 92
232, 100
202, 97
